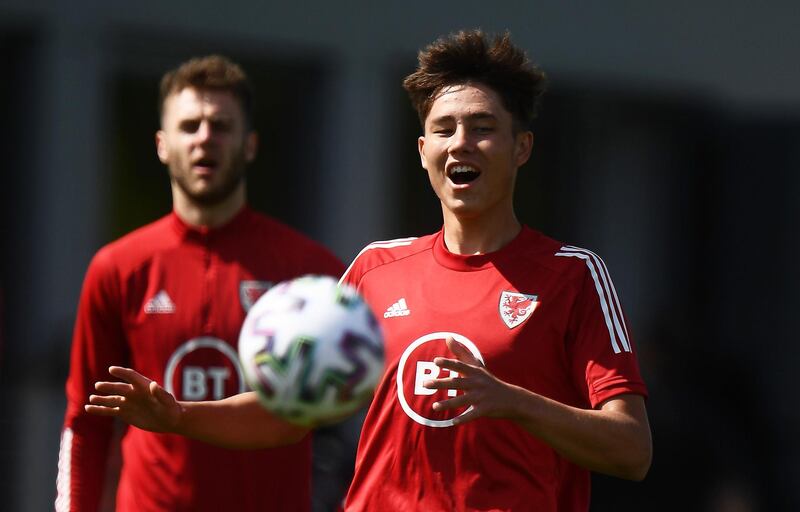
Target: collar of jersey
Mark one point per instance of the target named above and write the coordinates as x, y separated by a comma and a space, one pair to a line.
205, 233
471, 263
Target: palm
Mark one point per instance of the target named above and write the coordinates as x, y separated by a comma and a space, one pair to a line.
138, 401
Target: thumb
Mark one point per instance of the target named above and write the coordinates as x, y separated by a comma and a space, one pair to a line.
161, 394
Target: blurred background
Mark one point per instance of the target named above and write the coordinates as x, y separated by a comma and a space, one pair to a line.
669, 143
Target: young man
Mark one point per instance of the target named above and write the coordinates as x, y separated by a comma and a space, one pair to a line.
510, 372
169, 299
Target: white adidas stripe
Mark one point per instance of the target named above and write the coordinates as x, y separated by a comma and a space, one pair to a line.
386, 244
62, 503
609, 301
392, 243
613, 292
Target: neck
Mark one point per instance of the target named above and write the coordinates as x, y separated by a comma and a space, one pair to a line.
210, 216
479, 235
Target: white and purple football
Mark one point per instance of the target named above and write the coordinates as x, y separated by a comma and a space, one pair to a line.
312, 350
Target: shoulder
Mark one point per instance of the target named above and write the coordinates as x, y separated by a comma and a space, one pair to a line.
561, 258
269, 228
114, 262
384, 252
271, 236
134, 247
581, 261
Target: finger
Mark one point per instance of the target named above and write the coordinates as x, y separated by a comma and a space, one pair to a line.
461, 352
101, 411
114, 388
128, 375
447, 383
452, 403
106, 401
457, 366
468, 415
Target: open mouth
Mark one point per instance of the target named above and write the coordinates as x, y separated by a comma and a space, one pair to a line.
462, 174
206, 164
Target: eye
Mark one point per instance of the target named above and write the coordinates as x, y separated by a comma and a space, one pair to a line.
220, 125
189, 126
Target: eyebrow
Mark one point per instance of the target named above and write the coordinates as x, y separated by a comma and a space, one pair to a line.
197, 116
477, 116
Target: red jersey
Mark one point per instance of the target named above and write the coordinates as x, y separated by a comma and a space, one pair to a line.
540, 315
168, 300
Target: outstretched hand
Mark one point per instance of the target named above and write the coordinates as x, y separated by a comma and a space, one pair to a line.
485, 393
138, 401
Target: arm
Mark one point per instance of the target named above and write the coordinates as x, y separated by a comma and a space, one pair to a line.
613, 439
86, 440
235, 422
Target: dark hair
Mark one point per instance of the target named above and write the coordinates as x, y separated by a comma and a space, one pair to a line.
213, 72
470, 56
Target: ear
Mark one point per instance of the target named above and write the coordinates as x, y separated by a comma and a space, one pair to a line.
524, 146
251, 147
161, 147
420, 145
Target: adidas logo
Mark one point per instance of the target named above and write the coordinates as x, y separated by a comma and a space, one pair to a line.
160, 304
399, 308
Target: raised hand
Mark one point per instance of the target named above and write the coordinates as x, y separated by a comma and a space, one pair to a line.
485, 393
138, 401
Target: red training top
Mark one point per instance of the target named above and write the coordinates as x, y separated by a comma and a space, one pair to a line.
540, 315
168, 300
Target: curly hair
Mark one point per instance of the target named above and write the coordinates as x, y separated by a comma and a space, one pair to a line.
471, 56
213, 72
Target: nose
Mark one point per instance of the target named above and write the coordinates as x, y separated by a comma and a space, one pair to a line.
460, 140
204, 131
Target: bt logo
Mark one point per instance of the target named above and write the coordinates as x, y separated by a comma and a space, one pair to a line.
416, 366
204, 368
427, 370
198, 381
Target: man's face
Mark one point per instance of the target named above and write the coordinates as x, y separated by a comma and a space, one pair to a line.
205, 144
471, 152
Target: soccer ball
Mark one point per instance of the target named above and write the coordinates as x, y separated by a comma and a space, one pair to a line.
312, 350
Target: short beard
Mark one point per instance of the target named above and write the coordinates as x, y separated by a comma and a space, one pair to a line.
215, 195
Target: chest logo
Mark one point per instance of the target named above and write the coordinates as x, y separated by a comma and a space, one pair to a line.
399, 308
204, 368
160, 304
250, 291
516, 307
416, 366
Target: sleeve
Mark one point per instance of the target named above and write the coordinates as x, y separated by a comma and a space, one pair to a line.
603, 360
98, 342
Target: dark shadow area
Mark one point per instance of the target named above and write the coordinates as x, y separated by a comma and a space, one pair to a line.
17, 137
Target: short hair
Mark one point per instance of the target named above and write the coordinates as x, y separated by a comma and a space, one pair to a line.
212, 72
471, 56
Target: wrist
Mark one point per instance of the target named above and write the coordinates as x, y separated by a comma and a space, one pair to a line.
178, 422
522, 406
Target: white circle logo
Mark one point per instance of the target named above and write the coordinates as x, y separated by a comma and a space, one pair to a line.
423, 370
201, 374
